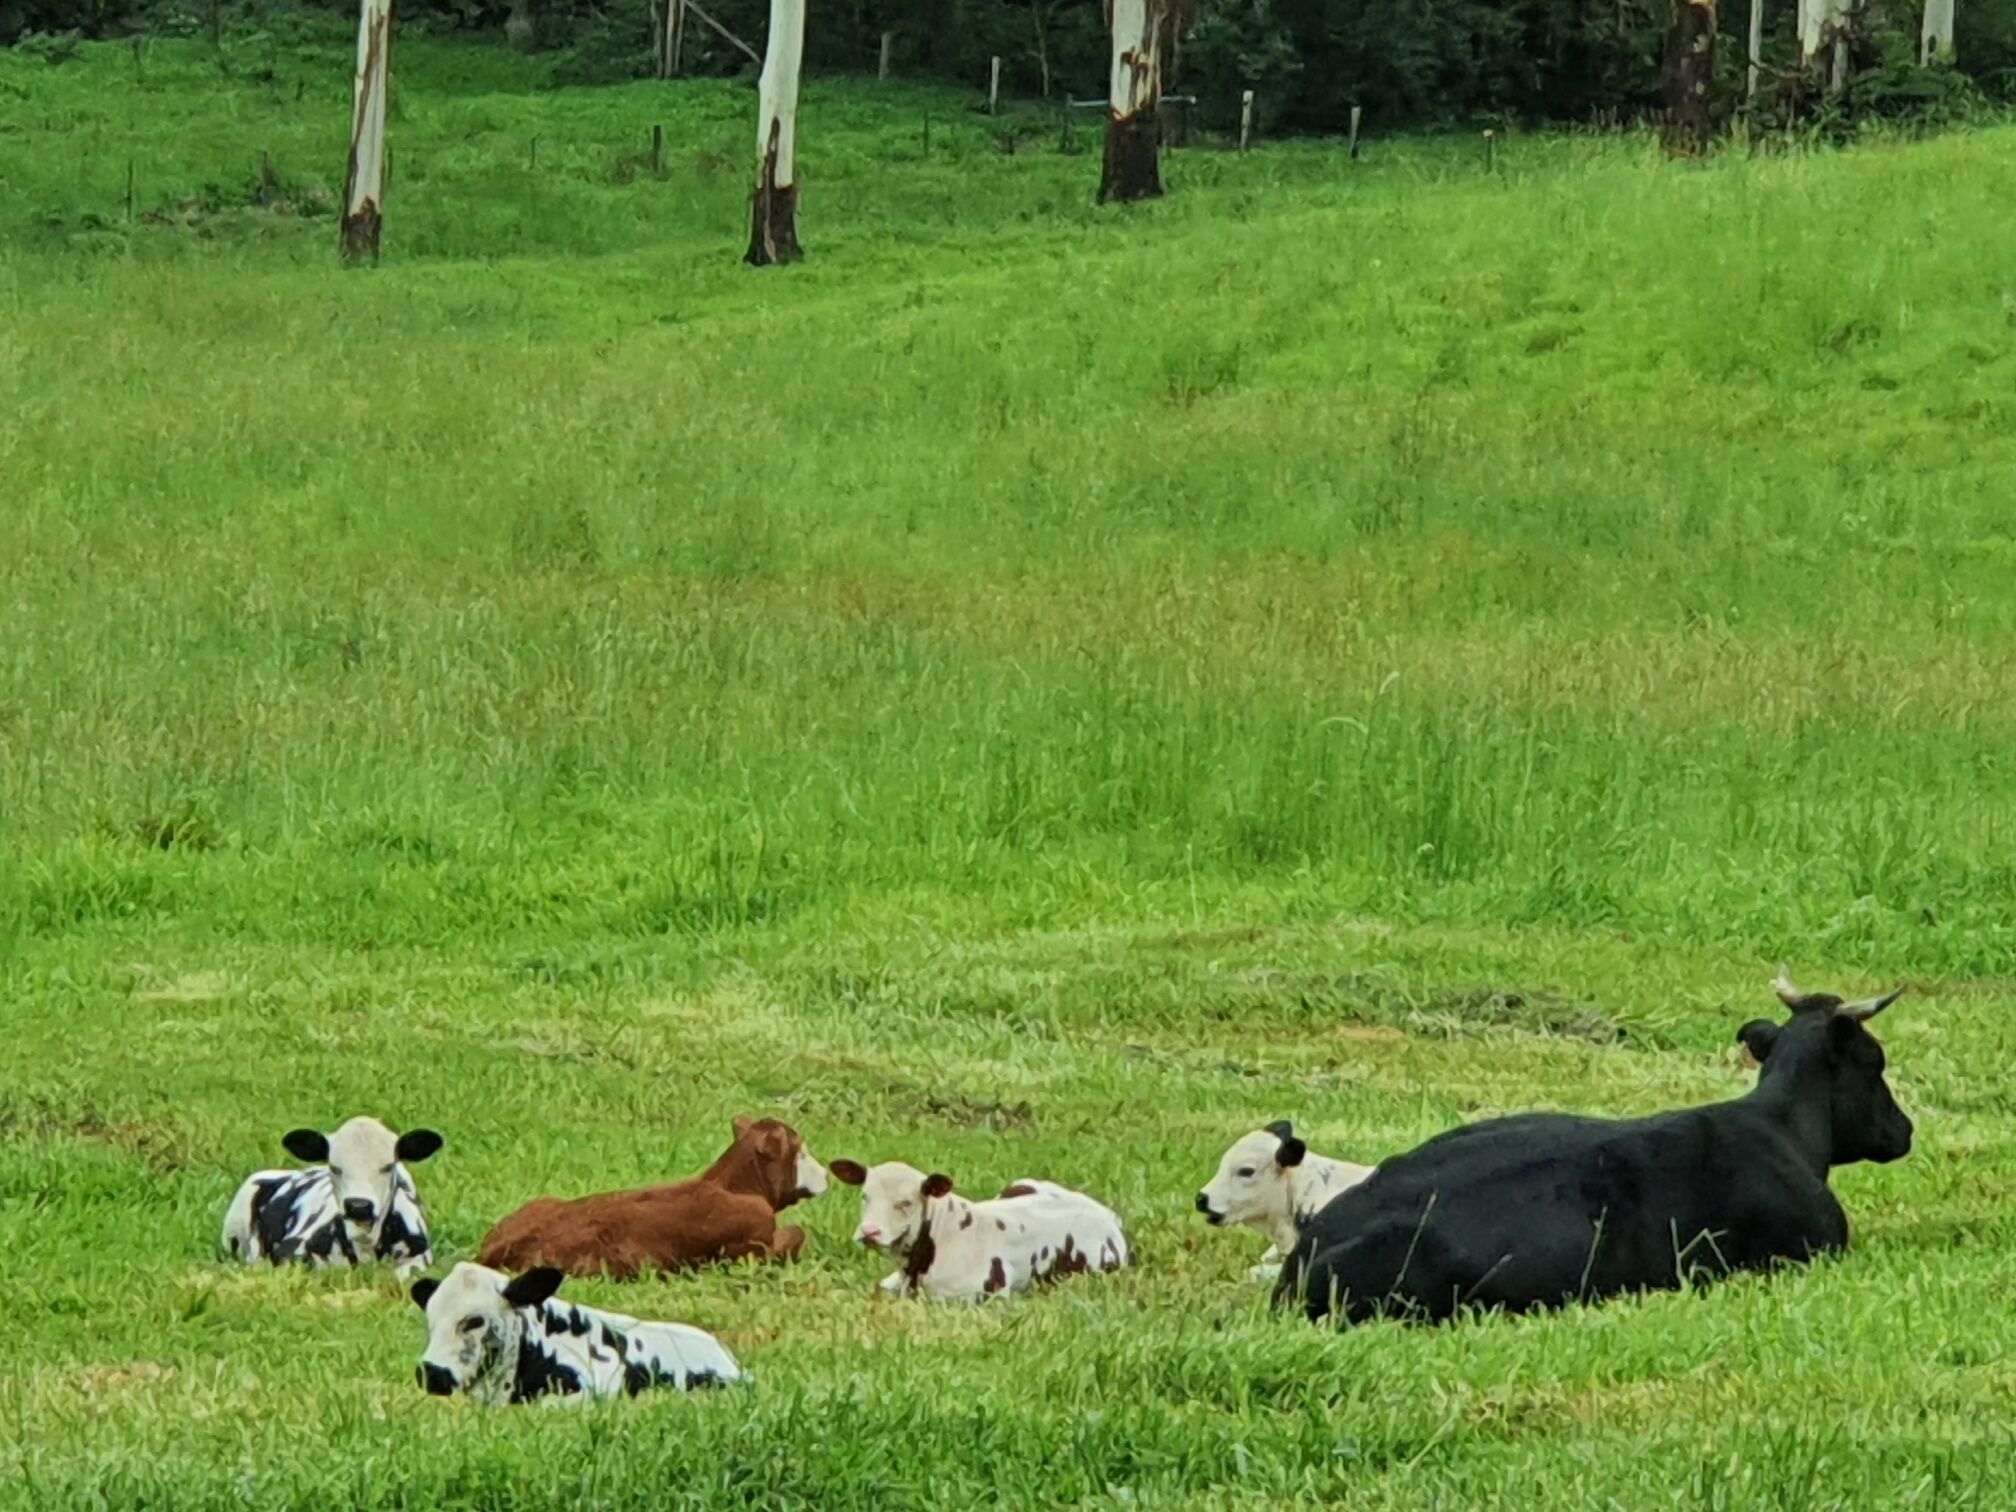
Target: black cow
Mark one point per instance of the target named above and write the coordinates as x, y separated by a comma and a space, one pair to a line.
1546, 1208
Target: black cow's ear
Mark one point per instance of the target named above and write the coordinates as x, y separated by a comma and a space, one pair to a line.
847, 1172
416, 1144
1291, 1152
1281, 1128
937, 1184
306, 1144
423, 1291
535, 1286
1757, 1037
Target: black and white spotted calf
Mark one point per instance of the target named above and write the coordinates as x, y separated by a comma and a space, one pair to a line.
356, 1203
503, 1340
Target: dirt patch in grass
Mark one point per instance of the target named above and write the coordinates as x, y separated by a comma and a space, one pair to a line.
1371, 1003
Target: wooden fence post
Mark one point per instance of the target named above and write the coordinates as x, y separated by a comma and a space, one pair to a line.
1245, 120
1357, 115
882, 68
994, 86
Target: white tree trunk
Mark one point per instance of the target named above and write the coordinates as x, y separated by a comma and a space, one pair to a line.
364, 183
1133, 166
1823, 38
1136, 84
1936, 45
518, 24
1756, 53
774, 230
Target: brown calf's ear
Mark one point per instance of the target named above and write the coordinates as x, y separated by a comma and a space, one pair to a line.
306, 1144
1757, 1037
417, 1144
423, 1291
740, 1124
937, 1184
847, 1172
1291, 1152
534, 1287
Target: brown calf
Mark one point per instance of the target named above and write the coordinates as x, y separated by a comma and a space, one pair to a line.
727, 1212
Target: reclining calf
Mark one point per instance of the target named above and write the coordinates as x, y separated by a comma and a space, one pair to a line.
1273, 1182
356, 1203
502, 1340
728, 1212
957, 1250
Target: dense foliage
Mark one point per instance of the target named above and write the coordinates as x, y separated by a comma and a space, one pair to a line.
1405, 61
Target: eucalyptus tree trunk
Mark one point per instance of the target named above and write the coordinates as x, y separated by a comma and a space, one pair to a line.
773, 235
364, 182
1133, 168
1690, 75
1824, 26
1936, 41
518, 25
1756, 56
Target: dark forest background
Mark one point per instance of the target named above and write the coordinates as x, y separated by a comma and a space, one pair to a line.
1407, 62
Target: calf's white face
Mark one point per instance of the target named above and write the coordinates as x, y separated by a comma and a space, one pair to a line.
474, 1327
811, 1174
360, 1157
892, 1201
1254, 1184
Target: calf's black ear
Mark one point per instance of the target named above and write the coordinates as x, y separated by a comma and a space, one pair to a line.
847, 1172
423, 1290
535, 1286
937, 1184
1281, 1128
306, 1144
1757, 1037
416, 1144
1291, 1152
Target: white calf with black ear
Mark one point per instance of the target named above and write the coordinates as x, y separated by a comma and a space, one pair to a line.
355, 1202
502, 1340
1271, 1181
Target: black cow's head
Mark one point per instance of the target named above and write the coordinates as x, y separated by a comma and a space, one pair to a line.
1825, 1051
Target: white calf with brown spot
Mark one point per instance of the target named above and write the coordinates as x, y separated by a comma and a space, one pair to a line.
1271, 1181
954, 1249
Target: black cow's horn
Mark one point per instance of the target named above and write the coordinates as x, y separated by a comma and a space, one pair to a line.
1868, 1008
1781, 984
1800, 1001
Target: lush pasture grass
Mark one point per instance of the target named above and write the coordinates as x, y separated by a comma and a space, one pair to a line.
1034, 690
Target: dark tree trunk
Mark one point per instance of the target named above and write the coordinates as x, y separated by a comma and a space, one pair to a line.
1690, 76
1133, 169
773, 219
360, 234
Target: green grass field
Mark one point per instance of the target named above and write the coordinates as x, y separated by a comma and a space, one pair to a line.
1032, 690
